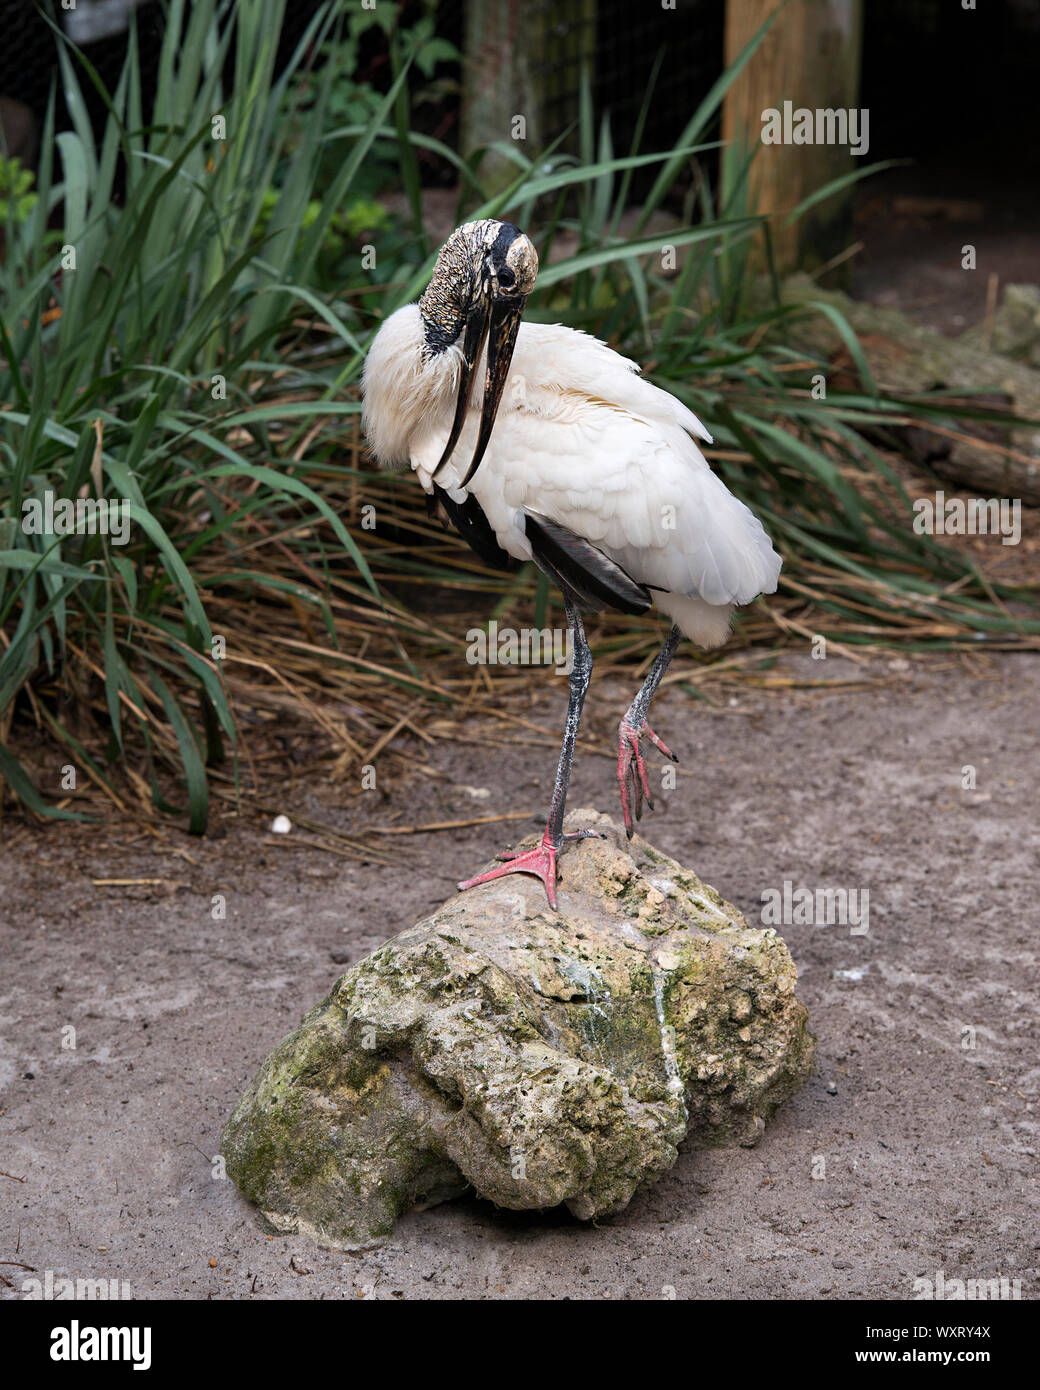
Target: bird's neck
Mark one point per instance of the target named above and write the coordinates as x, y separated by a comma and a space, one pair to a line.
443, 306
442, 321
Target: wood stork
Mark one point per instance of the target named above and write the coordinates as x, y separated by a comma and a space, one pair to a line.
582, 467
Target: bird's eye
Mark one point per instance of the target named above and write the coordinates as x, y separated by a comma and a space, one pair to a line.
506, 278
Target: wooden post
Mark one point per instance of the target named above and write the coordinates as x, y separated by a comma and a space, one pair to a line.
517, 56
810, 57
501, 98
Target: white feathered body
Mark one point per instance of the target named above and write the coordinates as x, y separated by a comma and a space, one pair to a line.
582, 440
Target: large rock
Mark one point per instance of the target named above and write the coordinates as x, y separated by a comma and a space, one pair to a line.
538, 1057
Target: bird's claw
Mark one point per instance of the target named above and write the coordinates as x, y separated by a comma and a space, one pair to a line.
519, 854
631, 769
659, 744
540, 861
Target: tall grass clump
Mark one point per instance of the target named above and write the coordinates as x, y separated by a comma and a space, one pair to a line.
145, 299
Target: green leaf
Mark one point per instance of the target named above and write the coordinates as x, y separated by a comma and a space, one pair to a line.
11, 772
194, 770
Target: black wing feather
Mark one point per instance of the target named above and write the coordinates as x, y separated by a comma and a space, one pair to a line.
575, 563
473, 526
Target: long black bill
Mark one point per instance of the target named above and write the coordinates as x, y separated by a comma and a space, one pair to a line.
505, 325
473, 341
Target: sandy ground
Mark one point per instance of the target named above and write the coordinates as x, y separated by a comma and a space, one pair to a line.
909, 1153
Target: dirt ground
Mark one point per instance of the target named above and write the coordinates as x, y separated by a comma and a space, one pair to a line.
913, 1150
912, 225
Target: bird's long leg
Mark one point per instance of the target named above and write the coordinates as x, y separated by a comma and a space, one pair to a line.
541, 860
631, 769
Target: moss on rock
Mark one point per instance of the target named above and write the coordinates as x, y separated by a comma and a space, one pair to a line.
541, 1058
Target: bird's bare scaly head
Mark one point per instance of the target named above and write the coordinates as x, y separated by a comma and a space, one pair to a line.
481, 281
486, 259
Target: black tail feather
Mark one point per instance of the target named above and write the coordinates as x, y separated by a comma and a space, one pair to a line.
576, 564
473, 526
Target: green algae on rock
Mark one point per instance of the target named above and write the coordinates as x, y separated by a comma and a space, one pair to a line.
537, 1057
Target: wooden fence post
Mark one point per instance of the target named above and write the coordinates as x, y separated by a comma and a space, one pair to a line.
810, 57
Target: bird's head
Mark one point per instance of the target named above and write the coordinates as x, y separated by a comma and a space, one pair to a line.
481, 281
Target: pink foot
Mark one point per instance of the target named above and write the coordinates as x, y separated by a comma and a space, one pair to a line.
540, 861
631, 769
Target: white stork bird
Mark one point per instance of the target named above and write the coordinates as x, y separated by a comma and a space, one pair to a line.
582, 467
